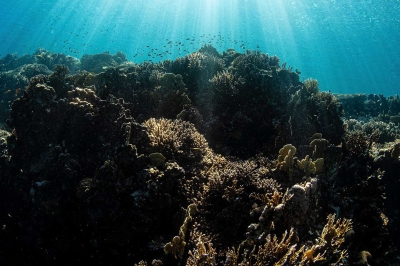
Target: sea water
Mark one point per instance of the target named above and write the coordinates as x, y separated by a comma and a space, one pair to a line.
348, 46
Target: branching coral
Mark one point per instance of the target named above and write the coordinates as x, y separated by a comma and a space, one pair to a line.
278, 251
176, 138
203, 255
288, 249
311, 85
334, 231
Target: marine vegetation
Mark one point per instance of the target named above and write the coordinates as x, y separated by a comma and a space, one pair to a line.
209, 159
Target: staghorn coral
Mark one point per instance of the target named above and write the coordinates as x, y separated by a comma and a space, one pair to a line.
209, 49
333, 234
176, 138
311, 85
274, 206
279, 252
245, 122
192, 115
203, 255
353, 125
290, 251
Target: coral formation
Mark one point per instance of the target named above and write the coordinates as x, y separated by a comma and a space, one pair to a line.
308, 166
104, 161
99, 62
285, 158
177, 245
319, 146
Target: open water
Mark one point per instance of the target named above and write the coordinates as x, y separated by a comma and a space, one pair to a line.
348, 46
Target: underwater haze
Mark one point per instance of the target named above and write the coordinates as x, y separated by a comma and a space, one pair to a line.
348, 46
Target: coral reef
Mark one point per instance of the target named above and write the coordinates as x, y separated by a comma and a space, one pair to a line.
370, 105
210, 159
99, 62
51, 60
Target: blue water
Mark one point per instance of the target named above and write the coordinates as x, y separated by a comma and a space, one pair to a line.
349, 46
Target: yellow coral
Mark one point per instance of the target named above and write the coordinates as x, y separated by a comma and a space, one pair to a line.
311, 167
177, 245
286, 252
334, 231
82, 98
203, 254
307, 165
174, 134
286, 157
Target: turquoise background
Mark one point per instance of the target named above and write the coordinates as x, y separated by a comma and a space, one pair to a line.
349, 46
